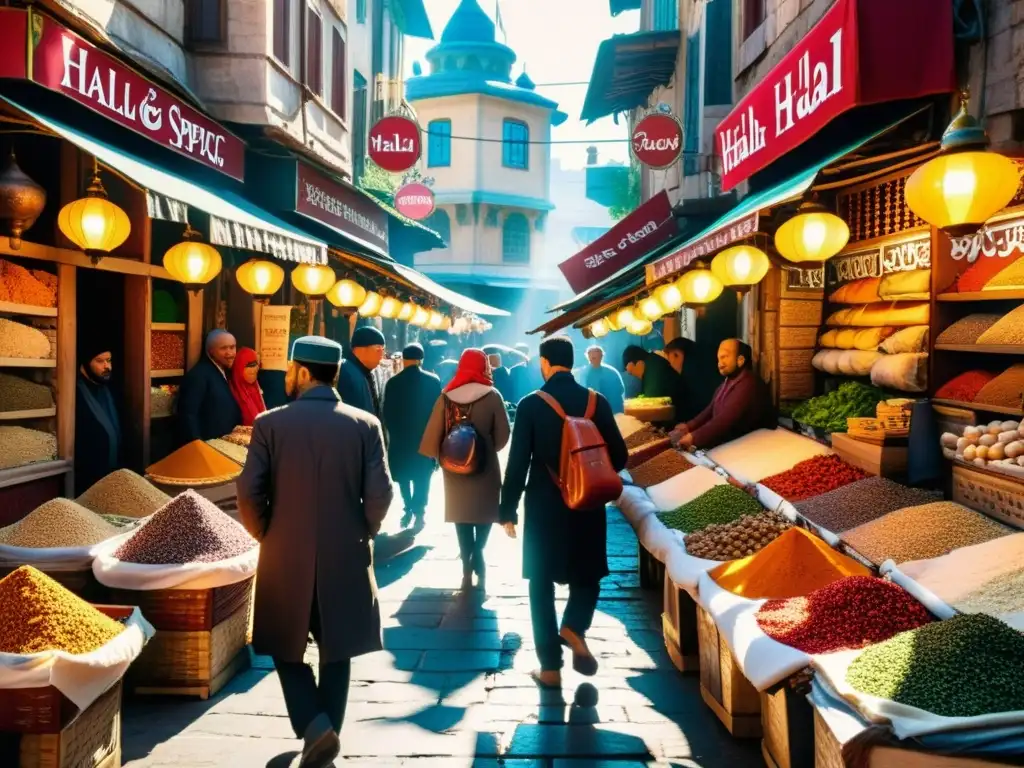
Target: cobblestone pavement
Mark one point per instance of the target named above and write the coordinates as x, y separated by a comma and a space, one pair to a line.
452, 687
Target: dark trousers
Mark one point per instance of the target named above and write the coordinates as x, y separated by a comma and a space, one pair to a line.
472, 540
579, 613
414, 485
305, 697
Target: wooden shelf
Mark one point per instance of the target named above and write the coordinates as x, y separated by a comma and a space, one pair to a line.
1008, 294
979, 407
167, 327
29, 472
10, 308
26, 362
157, 417
167, 374
38, 413
983, 349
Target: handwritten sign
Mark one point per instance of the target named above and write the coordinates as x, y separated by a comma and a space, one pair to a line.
722, 237
907, 256
274, 327
855, 266
996, 241
805, 279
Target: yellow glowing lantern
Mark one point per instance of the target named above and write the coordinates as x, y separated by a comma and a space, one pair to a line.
192, 261
436, 320
420, 317
624, 316
390, 307
346, 294
814, 234
700, 286
314, 280
93, 223
261, 278
640, 327
612, 323
371, 305
446, 324
740, 266
407, 311
966, 184
598, 329
649, 308
669, 297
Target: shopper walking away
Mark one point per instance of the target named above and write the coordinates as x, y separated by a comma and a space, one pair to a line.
356, 383
314, 492
409, 398
206, 407
470, 500
560, 545
244, 386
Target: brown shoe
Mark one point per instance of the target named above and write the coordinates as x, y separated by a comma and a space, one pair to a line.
583, 660
547, 678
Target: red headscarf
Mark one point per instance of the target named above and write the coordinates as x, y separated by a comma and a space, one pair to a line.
248, 396
473, 369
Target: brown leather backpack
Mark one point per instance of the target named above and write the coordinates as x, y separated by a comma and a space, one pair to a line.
462, 450
585, 476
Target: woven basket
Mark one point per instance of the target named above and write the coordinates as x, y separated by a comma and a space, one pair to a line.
187, 610
894, 417
90, 740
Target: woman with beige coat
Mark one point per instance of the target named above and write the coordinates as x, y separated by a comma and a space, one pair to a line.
471, 501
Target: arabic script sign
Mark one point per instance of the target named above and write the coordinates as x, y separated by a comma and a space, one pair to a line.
995, 241
340, 207
903, 256
64, 62
724, 236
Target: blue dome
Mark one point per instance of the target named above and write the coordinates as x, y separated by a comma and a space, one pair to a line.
469, 24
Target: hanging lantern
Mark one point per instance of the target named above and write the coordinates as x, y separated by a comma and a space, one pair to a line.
21, 201
669, 297
813, 234
261, 278
420, 317
740, 266
966, 184
446, 324
192, 261
624, 316
613, 324
314, 280
436, 320
700, 286
346, 294
371, 305
460, 326
390, 307
649, 308
405, 314
640, 327
93, 223
599, 329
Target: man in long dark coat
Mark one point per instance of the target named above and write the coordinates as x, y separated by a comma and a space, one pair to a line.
97, 422
206, 407
409, 398
314, 491
560, 546
356, 383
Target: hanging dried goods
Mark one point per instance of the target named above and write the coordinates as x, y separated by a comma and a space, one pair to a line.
813, 477
20, 394
860, 502
57, 523
125, 494
22, 341
659, 469
20, 446
740, 538
968, 329
721, 504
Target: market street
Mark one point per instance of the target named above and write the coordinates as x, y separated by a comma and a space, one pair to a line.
452, 688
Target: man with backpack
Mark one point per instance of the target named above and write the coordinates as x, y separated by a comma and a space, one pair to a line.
570, 481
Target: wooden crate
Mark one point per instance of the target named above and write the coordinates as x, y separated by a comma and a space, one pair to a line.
722, 685
882, 460
787, 721
652, 570
679, 625
996, 495
195, 663
187, 610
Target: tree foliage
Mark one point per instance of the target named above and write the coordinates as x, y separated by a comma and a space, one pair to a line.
628, 194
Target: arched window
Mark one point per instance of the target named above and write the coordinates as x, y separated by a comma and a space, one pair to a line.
440, 223
515, 239
515, 147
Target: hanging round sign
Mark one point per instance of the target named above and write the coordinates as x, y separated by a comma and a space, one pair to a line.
415, 200
657, 140
394, 143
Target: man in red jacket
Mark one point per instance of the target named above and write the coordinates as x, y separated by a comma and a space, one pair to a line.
741, 403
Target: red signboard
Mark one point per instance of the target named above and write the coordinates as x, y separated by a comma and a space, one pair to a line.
647, 227
394, 143
340, 207
861, 52
657, 140
13, 42
724, 236
64, 62
415, 201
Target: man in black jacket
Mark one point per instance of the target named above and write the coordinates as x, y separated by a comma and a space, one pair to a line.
356, 383
97, 423
206, 407
560, 545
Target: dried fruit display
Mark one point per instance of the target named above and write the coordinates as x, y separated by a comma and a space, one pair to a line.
168, 351
20, 446
659, 469
240, 436
813, 477
57, 523
740, 538
124, 494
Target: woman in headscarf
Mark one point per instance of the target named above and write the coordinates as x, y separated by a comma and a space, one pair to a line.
243, 384
471, 501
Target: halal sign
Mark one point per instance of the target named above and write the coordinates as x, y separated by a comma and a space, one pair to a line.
657, 140
415, 201
394, 143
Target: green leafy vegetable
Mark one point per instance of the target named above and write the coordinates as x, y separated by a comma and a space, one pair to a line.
830, 412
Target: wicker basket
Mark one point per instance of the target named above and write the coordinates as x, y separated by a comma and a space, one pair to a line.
90, 740
725, 690
894, 417
187, 610
995, 495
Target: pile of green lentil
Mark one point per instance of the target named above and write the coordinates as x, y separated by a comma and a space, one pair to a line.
721, 504
967, 666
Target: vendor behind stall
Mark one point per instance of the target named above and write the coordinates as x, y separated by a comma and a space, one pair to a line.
97, 424
688, 402
657, 378
741, 403
206, 406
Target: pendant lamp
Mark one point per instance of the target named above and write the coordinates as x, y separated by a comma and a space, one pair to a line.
669, 297
649, 309
599, 329
390, 307
371, 305
640, 327
624, 316
407, 311
346, 294
814, 234
699, 286
93, 223
420, 317
740, 266
192, 262
436, 320
314, 280
261, 278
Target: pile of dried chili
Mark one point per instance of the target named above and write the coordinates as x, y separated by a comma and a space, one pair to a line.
813, 477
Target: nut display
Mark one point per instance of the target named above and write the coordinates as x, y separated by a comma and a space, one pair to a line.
740, 538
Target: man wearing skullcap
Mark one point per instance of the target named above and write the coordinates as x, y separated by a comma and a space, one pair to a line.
409, 398
206, 407
356, 384
97, 423
314, 491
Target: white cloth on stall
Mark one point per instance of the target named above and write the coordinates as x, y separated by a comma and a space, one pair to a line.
54, 559
635, 505
935, 605
684, 488
628, 425
684, 569
117, 574
765, 452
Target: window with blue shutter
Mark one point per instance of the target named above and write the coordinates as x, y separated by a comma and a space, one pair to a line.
515, 147
439, 143
666, 14
691, 108
718, 54
515, 239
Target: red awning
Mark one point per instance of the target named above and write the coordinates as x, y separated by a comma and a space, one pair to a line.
861, 52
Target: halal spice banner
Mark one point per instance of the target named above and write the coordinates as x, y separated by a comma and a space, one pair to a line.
64, 62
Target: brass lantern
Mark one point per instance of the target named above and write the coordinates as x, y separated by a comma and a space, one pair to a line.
346, 294
649, 309
192, 262
699, 286
814, 234
390, 307
371, 305
966, 184
314, 280
93, 223
669, 297
261, 278
740, 266
420, 317
407, 311
599, 329
21, 201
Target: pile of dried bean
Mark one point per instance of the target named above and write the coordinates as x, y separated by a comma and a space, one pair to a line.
861, 502
662, 467
968, 329
642, 437
813, 477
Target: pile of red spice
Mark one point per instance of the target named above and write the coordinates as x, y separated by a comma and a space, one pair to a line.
845, 615
965, 387
976, 277
813, 477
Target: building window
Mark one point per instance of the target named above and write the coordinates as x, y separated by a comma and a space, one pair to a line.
282, 31
206, 22
515, 239
515, 146
338, 79
692, 108
359, 114
440, 222
718, 54
314, 52
753, 16
666, 14
439, 143
360, 11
